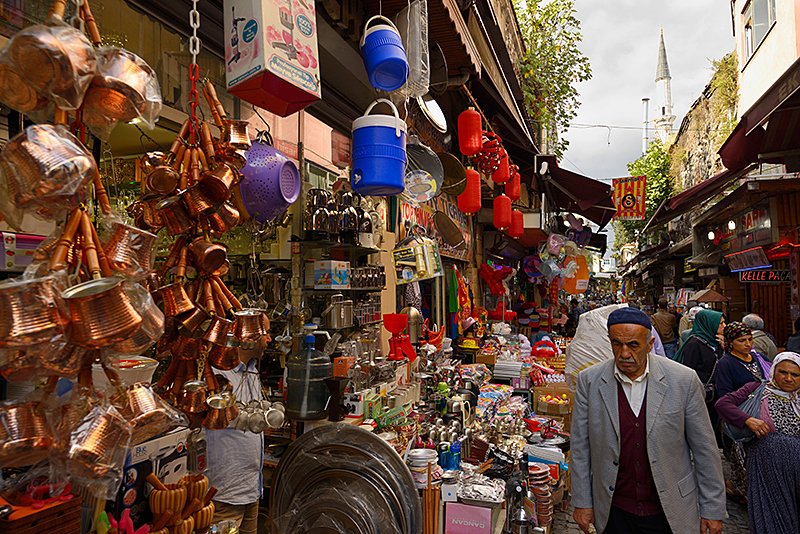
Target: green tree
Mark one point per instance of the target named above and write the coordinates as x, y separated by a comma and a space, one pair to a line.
552, 65
655, 165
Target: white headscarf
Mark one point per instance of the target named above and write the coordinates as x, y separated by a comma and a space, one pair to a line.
694, 311
772, 387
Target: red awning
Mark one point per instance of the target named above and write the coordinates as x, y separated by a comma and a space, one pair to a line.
573, 192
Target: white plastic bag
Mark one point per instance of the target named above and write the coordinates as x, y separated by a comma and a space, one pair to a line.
590, 344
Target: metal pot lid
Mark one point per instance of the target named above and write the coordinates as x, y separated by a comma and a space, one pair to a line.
449, 231
438, 69
433, 112
91, 288
455, 175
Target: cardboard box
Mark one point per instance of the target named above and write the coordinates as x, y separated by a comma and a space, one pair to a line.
546, 408
331, 274
468, 519
342, 365
167, 457
354, 402
486, 359
271, 56
17, 250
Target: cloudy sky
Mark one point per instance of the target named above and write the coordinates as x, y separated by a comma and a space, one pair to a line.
621, 37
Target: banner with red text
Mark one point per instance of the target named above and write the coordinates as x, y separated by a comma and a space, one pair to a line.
629, 197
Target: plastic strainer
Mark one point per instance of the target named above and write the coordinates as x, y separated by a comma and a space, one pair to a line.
270, 182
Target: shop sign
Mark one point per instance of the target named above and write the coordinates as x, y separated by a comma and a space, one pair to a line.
745, 260
340, 149
688, 266
766, 275
752, 228
422, 215
629, 198
709, 272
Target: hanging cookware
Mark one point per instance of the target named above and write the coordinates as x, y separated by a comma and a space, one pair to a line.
218, 330
174, 299
383, 54
25, 437
208, 256
249, 325
216, 185
191, 323
439, 76
123, 87
173, 215
17, 94
151, 328
130, 251
225, 357
221, 411
271, 180
455, 175
161, 178
412, 25
225, 219
424, 172
102, 312
379, 153
196, 203
31, 312
234, 135
450, 232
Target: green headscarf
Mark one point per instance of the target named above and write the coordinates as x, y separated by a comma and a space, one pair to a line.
705, 326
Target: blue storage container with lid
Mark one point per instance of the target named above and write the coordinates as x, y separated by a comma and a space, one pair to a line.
379, 153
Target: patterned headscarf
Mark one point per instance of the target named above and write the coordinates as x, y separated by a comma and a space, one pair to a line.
772, 387
735, 330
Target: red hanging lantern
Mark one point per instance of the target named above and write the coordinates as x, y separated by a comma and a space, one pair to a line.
469, 201
503, 172
470, 132
502, 212
513, 186
517, 228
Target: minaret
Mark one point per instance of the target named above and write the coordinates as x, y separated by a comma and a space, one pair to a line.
663, 115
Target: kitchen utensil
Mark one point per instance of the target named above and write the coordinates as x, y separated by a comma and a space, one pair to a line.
234, 135
455, 175
123, 87
174, 299
271, 181
102, 312
225, 357
275, 284
173, 215
130, 251
31, 312
450, 233
439, 75
225, 219
25, 437
215, 185
151, 328
424, 172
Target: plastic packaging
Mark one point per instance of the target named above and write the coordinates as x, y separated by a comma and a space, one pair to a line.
412, 24
41, 484
307, 394
147, 413
590, 344
148, 332
130, 251
124, 88
26, 437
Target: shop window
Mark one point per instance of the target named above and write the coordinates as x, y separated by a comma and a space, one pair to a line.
320, 177
759, 16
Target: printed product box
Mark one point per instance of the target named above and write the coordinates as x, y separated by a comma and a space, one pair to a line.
332, 274
271, 53
465, 519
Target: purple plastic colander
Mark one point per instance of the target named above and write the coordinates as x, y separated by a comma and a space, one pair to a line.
271, 182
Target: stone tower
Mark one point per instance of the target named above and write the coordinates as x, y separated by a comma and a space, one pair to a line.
663, 116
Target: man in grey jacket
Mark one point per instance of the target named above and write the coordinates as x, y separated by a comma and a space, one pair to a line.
649, 461
762, 343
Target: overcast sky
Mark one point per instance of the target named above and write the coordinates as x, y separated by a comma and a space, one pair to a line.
621, 37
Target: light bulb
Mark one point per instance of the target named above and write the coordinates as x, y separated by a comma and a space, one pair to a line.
731, 225
711, 235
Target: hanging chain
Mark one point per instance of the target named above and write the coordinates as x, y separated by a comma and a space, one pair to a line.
194, 69
201, 362
76, 20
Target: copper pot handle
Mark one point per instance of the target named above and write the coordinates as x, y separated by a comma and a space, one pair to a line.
177, 157
169, 375
191, 370
179, 140
206, 140
61, 117
220, 295
230, 296
213, 102
181, 274
174, 255
105, 268
201, 156
194, 167
236, 197
59, 6
59, 259
187, 163
208, 295
90, 248
210, 379
91, 24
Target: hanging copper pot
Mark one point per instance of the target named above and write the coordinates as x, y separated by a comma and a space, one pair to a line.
208, 256
191, 322
174, 216
59, 359
152, 282
130, 250
225, 357
186, 348
161, 178
102, 312
220, 409
225, 219
234, 135
145, 413
174, 299
216, 185
25, 437
152, 217
94, 444
249, 325
234, 158
30, 312
119, 89
17, 94
218, 331
194, 396
196, 203
148, 332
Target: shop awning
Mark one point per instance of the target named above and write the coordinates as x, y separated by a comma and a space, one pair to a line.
573, 192
686, 200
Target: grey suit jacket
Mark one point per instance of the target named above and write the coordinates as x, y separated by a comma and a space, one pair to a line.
678, 430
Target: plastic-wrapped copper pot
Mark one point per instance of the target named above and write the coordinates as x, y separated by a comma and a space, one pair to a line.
59, 359
174, 216
194, 396
249, 325
218, 331
192, 321
196, 203
16, 93
221, 411
225, 219
151, 329
99, 443
186, 348
130, 250
119, 90
146, 415
25, 437
234, 135
152, 217
30, 312
102, 312
216, 185
225, 357
174, 299
209, 256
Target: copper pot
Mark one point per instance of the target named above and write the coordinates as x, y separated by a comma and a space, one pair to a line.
25, 437
30, 312
192, 321
195, 202
249, 325
151, 329
234, 135
16, 93
119, 89
221, 411
174, 216
161, 178
48, 163
225, 219
94, 444
146, 414
130, 250
151, 282
102, 312
174, 299
186, 348
208, 256
235, 159
59, 359
216, 185
225, 357
218, 331
194, 396
152, 217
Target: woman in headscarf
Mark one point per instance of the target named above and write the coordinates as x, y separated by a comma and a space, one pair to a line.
740, 365
686, 332
773, 486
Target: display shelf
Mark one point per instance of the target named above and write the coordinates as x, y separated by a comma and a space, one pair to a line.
352, 290
334, 245
354, 325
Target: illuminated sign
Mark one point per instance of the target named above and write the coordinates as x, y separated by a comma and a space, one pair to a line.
753, 258
766, 275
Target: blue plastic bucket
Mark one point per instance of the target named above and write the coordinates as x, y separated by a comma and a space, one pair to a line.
384, 56
379, 153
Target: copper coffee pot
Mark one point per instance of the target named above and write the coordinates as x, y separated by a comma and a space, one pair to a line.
25, 437
225, 219
120, 88
129, 250
225, 357
32, 312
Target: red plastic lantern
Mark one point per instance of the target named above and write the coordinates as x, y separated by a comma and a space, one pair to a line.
470, 200
503, 172
470, 132
513, 187
502, 212
517, 228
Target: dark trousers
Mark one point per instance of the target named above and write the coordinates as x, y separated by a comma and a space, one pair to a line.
622, 522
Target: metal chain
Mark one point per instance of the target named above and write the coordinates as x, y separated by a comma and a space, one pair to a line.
77, 20
194, 69
201, 363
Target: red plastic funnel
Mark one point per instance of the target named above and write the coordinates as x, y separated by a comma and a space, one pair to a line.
395, 322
